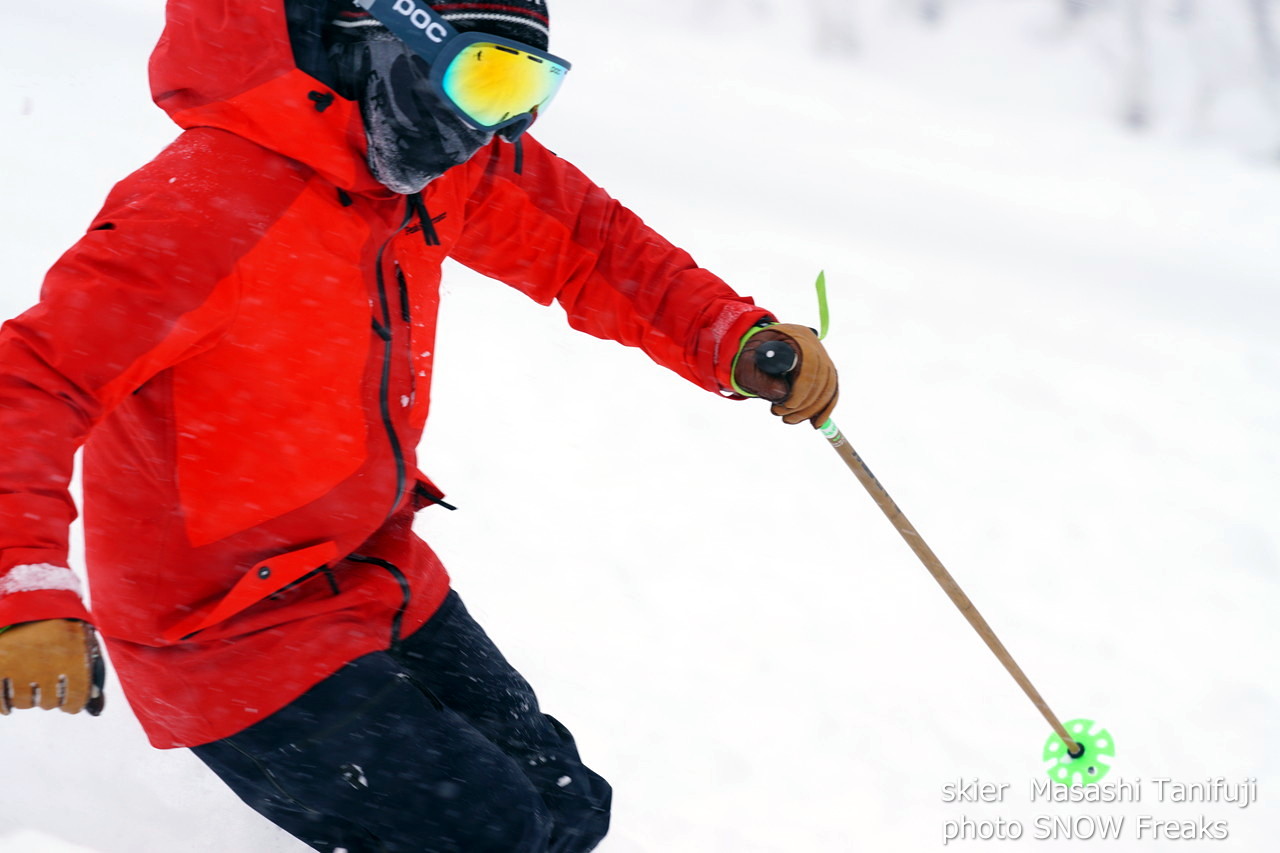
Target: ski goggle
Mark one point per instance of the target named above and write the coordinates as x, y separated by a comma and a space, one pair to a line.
495, 84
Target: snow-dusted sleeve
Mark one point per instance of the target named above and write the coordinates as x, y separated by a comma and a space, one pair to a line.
40, 591
552, 233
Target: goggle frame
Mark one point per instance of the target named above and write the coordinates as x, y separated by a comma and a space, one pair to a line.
439, 45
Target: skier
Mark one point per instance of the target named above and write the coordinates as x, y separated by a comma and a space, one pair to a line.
243, 342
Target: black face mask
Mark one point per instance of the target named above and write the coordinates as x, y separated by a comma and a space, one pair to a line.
413, 136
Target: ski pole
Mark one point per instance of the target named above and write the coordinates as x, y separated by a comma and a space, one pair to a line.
777, 358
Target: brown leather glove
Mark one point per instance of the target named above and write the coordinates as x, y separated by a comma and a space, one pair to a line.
808, 392
54, 663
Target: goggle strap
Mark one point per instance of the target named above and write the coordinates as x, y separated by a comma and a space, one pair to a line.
414, 23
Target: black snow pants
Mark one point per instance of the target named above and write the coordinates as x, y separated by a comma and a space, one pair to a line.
437, 746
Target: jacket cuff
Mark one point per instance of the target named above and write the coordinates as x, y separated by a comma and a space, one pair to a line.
730, 341
33, 592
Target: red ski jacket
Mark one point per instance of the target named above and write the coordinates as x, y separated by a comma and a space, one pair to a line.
243, 341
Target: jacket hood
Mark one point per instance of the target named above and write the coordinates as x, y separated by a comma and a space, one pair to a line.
257, 68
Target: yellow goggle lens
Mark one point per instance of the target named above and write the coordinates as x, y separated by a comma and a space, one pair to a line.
493, 83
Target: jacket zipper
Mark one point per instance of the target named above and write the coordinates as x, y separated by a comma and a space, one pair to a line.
383, 330
407, 316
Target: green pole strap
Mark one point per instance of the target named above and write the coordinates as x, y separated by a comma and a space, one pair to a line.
5, 628
824, 314
824, 326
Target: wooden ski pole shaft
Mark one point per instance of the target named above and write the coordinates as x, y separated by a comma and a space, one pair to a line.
942, 576
780, 355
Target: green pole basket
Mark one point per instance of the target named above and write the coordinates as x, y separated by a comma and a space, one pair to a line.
1090, 766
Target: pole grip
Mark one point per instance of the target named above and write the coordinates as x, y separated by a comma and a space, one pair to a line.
776, 358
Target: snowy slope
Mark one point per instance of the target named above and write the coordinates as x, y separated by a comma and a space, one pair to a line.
1058, 351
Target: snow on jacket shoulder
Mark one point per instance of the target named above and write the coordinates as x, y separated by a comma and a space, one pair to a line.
243, 341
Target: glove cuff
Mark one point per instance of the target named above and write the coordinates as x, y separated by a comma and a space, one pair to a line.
733, 370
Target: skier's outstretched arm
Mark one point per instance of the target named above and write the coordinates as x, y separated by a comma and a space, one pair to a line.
545, 228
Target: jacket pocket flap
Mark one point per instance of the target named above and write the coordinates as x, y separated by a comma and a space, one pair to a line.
265, 578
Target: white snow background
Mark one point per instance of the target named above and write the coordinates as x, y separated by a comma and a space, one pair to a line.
1058, 352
